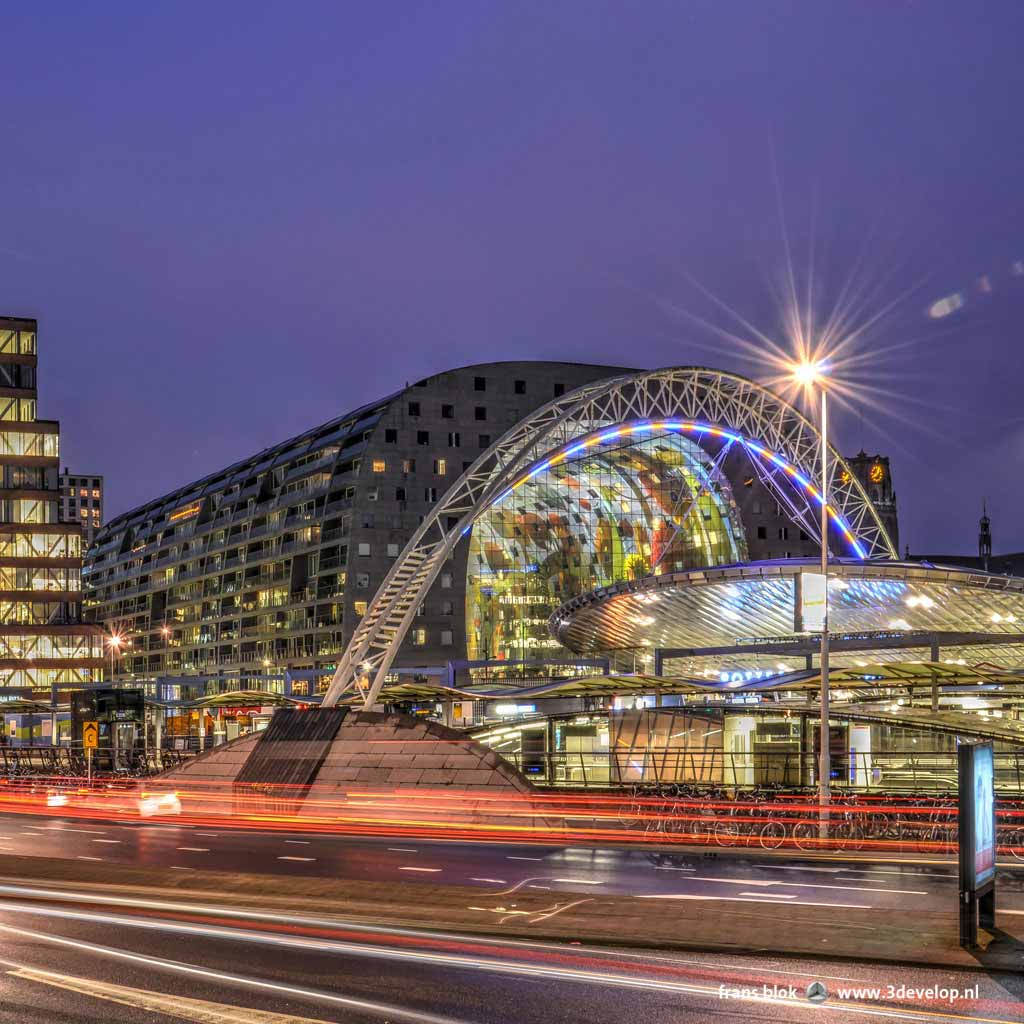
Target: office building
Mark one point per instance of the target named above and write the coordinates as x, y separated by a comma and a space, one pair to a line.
81, 498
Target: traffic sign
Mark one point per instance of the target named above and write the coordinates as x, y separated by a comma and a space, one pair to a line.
90, 735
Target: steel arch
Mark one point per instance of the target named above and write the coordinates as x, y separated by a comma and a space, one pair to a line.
692, 392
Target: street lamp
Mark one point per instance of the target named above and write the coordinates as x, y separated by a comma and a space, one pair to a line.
810, 374
114, 642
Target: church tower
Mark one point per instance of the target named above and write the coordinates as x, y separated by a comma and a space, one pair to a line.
984, 537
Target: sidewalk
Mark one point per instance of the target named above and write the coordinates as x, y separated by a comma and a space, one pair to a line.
695, 924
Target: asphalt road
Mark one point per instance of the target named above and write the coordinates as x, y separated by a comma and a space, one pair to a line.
71, 958
839, 880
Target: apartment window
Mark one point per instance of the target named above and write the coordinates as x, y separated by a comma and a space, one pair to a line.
364, 549
485, 441
519, 387
423, 437
372, 493
399, 494
479, 383
379, 465
454, 440
391, 436
392, 551
419, 637
363, 580
430, 494
480, 412
803, 535
559, 389
755, 508
367, 521
95, 492
446, 581
440, 466
446, 638
447, 412
414, 408
762, 533
359, 607
83, 492
408, 465
447, 608
421, 610
784, 533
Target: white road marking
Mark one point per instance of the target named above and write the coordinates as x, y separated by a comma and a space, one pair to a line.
538, 887
578, 881
763, 883
665, 867
80, 857
112, 841
494, 881
428, 870
789, 867
741, 899
524, 858
194, 849
64, 828
402, 849
214, 834
297, 842
180, 867
772, 895
297, 858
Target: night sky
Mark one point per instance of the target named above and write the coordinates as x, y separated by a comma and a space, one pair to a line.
234, 221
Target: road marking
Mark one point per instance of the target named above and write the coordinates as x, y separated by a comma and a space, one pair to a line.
524, 858
80, 857
538, 887
428, 870
194, 849
578, 881
402, 849
214, 834
665, 867
297, 858
741, 899
772, 895
789, 867
298, 842
494, 881
112, 841
180, 1007
180, 867
64, 828
804, 885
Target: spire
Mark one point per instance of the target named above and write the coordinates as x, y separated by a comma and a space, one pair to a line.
984, 536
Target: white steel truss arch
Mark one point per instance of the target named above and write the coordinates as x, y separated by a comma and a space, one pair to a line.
691, 392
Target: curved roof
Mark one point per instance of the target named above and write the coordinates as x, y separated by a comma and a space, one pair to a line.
734, 606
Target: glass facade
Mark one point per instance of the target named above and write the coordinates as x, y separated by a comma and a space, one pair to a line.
644, 507
43, 642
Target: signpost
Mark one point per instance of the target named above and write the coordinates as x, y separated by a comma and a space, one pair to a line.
90, 741
977, 840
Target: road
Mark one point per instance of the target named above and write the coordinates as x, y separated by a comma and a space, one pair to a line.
840, 880
70, 957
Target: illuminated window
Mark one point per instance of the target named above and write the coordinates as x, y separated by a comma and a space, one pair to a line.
440, 467
359, 607
419, 637
379, 465
83, 492
408, 465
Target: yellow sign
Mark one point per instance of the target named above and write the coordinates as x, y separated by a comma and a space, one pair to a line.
90, 735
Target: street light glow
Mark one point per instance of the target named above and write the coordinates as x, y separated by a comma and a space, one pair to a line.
808, 372
115, 640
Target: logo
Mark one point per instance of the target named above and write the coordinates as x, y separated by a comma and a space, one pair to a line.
816, 992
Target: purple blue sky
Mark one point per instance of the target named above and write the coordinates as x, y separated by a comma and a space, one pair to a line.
235, 220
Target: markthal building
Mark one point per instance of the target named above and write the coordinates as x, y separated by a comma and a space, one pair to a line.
643, 603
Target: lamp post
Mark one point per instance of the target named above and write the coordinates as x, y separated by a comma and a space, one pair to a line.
809, 374
114, 642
